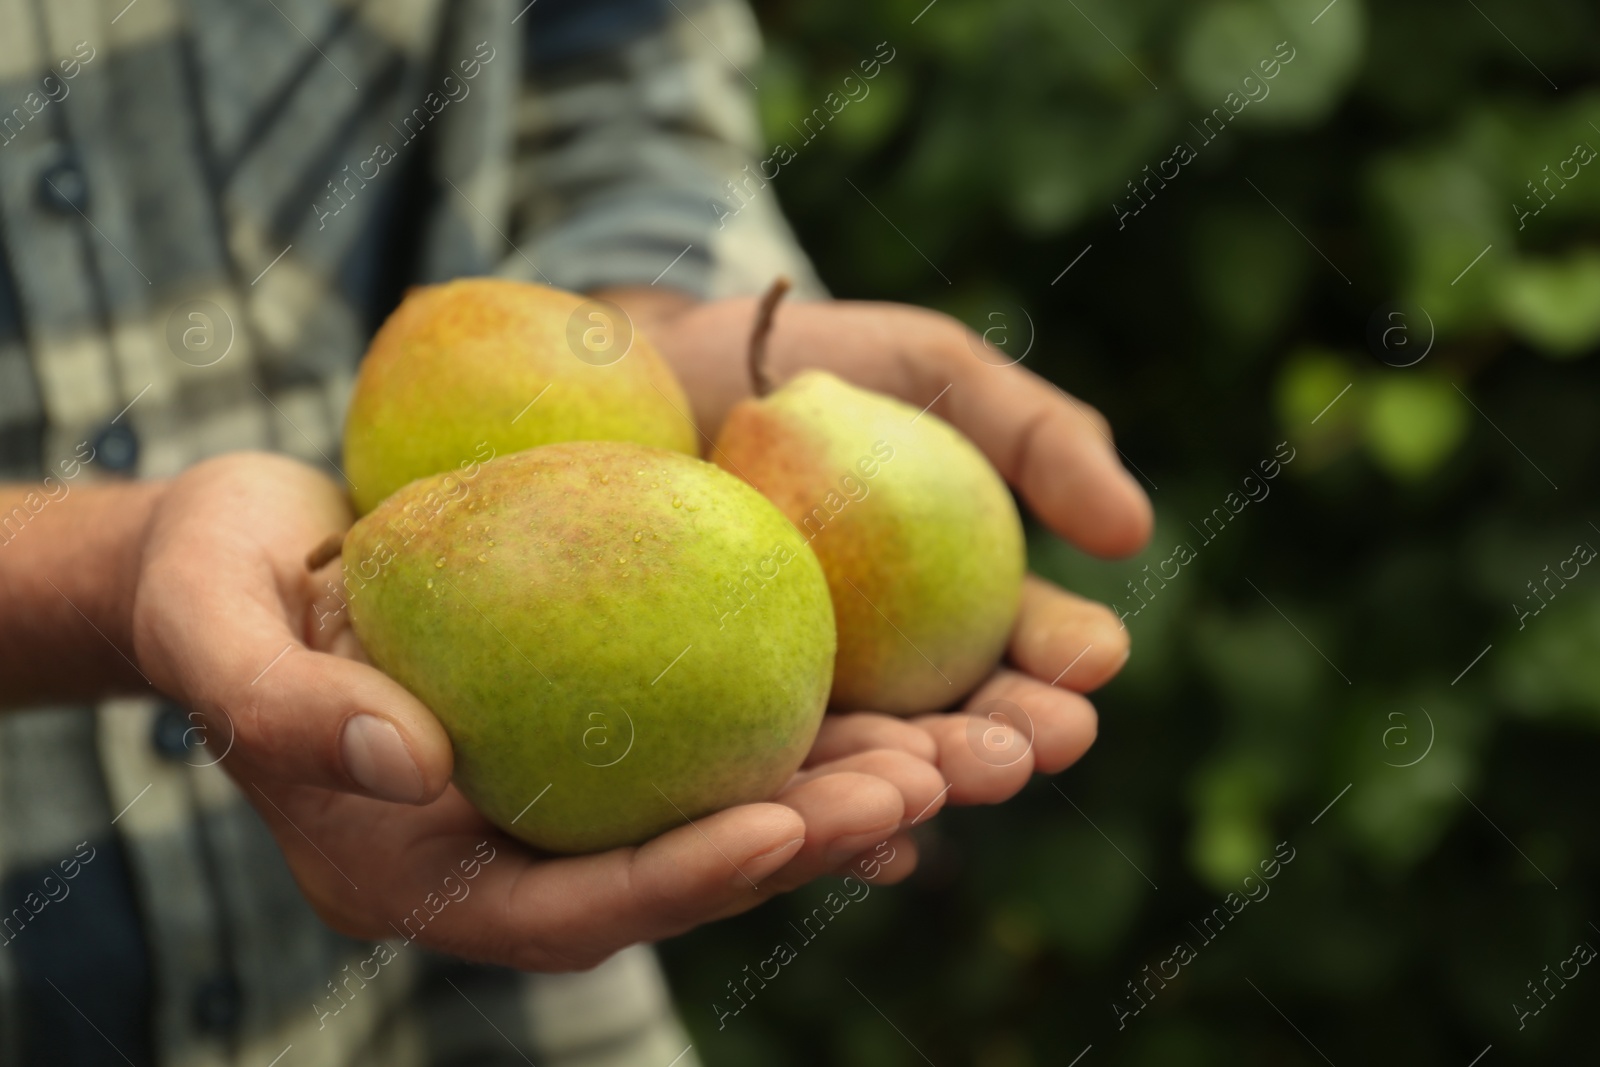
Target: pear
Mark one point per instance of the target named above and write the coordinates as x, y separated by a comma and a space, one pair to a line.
481, 366
917, 533
616, 638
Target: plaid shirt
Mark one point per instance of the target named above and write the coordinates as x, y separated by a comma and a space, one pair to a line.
206, 207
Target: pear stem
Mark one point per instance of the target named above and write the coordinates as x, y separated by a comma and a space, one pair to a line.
760, 380
325, 553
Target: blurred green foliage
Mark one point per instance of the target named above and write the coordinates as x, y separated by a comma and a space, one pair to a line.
1398, 145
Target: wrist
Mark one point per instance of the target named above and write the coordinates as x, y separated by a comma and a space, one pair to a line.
72, 569
137, 503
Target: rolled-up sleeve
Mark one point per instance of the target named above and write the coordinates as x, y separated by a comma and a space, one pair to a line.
636, 150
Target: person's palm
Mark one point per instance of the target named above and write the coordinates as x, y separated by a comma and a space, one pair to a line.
228, 621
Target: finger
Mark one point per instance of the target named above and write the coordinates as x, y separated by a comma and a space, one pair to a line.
1056, 726
673, 885
922, 788
571, 913
1065, 639
1011, 726
889, 863
1054, 449
985, 761
220, 620
294, 715
844, 812
846, 734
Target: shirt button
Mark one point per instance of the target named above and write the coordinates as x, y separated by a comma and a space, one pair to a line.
218, 1005
63, 188
170, 736
116, 447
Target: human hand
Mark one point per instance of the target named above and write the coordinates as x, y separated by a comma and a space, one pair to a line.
1054, 449
227, 621
367, 867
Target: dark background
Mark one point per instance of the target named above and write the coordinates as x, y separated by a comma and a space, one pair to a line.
1414, 514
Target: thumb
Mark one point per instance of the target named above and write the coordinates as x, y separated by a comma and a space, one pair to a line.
284, 712
322, 720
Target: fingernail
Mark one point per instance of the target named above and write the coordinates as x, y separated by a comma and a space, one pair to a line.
762, 864
846, 847
377, 758
785, 847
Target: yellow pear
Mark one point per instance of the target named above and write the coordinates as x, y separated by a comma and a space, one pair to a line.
485, 366
616, 638
917, 533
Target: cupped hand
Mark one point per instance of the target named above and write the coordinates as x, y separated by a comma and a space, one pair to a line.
228, 622
379, 871
1053, 448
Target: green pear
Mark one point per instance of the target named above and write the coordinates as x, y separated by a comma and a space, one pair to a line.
917, 534
482, 366
616, 638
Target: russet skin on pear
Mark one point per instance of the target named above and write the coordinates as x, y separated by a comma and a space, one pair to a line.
509, 363
635, 629
917, 533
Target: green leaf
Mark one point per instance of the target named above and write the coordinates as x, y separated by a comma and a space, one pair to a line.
1310, 381
1413, 423
1449, 228
1310, 66
1555, 304
1232, 795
